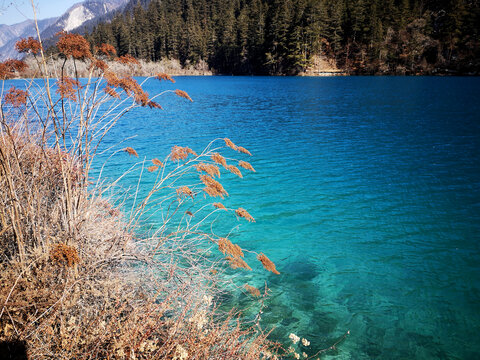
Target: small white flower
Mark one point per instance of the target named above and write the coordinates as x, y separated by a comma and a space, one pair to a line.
304, 355
297, 356
305, 342
294, 338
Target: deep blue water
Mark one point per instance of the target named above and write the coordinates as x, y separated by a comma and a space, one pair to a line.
366, 196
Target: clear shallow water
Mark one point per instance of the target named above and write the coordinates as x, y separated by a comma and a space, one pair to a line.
366, 196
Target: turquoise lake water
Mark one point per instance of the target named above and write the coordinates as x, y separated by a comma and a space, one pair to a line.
366, 196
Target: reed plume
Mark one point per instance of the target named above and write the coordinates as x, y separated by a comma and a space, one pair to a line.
243, 150
185, 190
128, 59
210, 169
230, 144
213, 187
219, 206
181, 153
219, 159
16, 97
237, 263
29, 45
73, 45
234, 170
131, 151
227, 247
252, 290
267, 263
157, 162
163, 76
183, 94
108, 90
246, 165
241, 212
67, 88
106, 49
152, 168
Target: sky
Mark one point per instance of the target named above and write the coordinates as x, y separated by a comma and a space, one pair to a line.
15, 11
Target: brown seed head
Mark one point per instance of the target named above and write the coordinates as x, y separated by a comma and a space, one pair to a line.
252, 290
28, 45
210, 169
107, 49
74, 45
243, 150
64, 254
108, 90
219, 206
213, 187
227, 247
9, 67
67, 88
157, 162
15, 97
246, 165
230, 144
267, 263
181, 153
183, 94
152, 168
237, 263
241, 212
185, 190
219, 159
112, 79
163, 76
131, 151
99, 64
234, 170
128, 60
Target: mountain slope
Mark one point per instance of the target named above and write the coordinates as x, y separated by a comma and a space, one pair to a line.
75, 17
10, 34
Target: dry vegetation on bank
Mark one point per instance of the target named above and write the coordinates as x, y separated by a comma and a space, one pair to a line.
77, 282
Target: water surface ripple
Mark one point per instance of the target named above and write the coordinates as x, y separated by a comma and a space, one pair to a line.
367, 197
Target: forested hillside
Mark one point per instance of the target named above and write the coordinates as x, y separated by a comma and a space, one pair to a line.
282, 36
